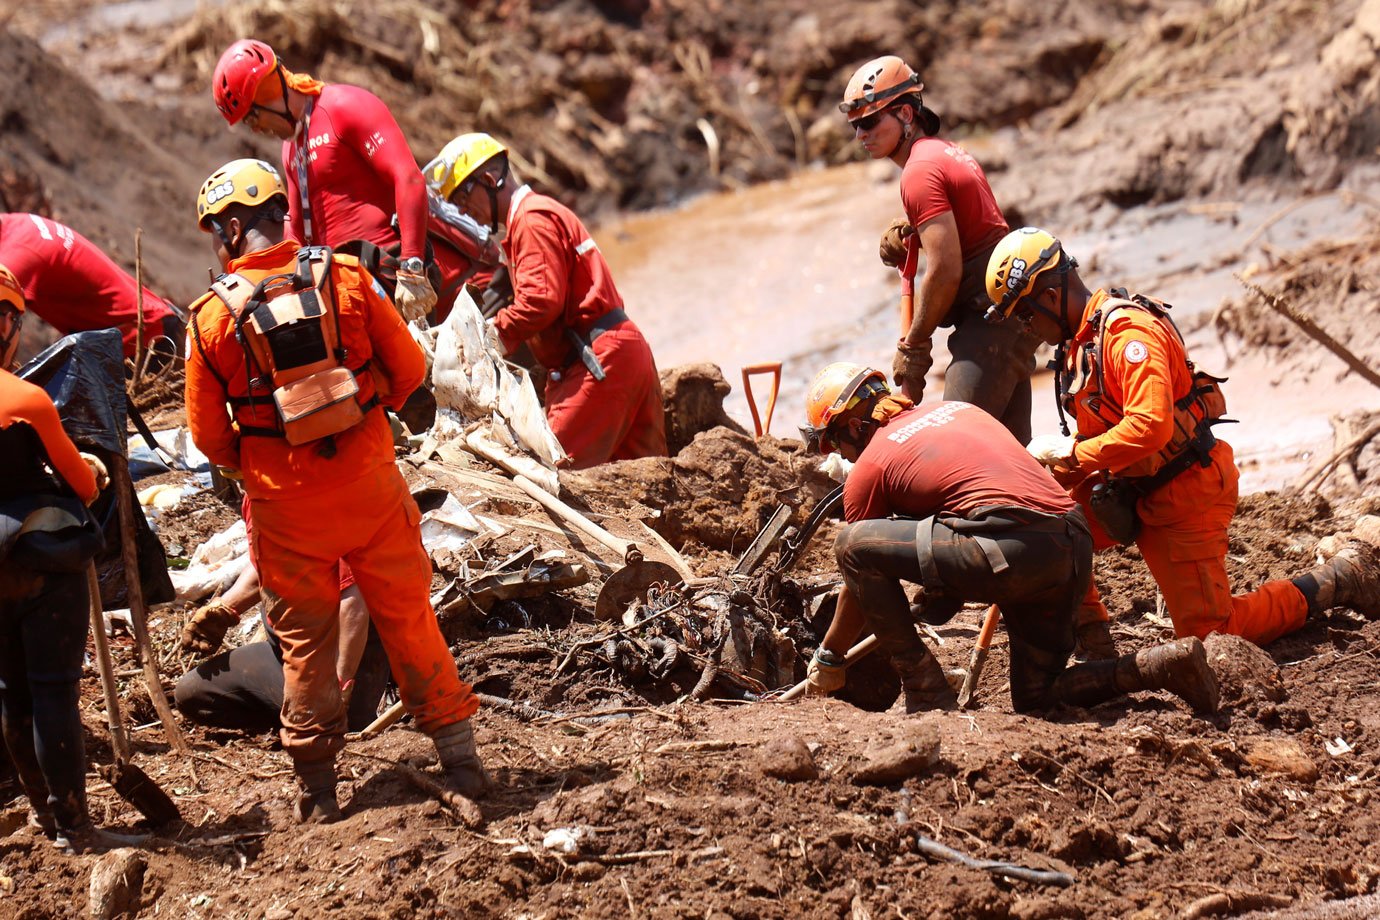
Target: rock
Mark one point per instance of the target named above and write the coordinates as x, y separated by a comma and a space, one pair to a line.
1283, 756
117, 884
789, 759
588, 871
1329, 546
693, 398
892, 761
1367, 528
13, 820
278, 913
1245, 671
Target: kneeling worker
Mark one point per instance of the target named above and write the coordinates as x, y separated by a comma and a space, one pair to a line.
945, 497
290, 354
603, 394
1145, 461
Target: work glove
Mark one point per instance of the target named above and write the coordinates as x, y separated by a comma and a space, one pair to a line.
206, 630
892, 248
909, 367
413, 295
826, 673
98, 470
1054, 451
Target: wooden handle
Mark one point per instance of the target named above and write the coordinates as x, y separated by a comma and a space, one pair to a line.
119, 742
390, 717
980, 647
574, 518
855, 654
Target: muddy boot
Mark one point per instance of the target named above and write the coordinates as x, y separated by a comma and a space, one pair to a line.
41, 819
316, 802
1351, 578
1093, 641
88, 838
460, 763
1180, 667
924, 685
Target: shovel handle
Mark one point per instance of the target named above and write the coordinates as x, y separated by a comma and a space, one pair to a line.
980, 648
390, 717
855, 654
119, 742
628, 551
770, 367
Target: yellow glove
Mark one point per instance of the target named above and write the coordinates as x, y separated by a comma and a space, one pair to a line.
413, 295
892, 248
206, 630
98, 470
1054, 451
826, 673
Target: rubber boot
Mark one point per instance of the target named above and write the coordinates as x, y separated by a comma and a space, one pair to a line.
1348, 579
1093, 641
88, 838
1180, 667
316, 802
460, 763
924, 685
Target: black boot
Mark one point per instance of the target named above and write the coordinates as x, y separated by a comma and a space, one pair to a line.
1180, 667
464, 771
316, 802
924, 686
1349, 579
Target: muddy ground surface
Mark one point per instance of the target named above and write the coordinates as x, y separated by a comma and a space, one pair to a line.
1091, 117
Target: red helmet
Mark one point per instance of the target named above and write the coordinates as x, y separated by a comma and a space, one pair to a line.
238, 74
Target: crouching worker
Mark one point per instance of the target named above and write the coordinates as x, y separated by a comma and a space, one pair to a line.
946, 498
47, 538
291, 353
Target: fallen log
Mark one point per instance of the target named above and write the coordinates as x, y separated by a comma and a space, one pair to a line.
1314, 331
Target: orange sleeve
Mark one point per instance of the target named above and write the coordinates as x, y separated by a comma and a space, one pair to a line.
1136, 358
30, 404
398, 363
208, 412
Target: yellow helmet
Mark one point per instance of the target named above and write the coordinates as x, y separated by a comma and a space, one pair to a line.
459, 160
1017, 262
835, 390
248, 182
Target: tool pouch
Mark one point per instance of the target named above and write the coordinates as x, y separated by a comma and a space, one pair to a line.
319, 405
1113, 506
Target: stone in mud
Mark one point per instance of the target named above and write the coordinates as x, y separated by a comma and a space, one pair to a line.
789, 759
1282, 756
911, 752
1245, 671
693, 398
117, 884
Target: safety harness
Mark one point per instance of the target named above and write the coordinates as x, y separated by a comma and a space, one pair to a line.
1202, 407
289, 328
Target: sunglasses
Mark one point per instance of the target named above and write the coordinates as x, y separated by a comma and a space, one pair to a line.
868, 122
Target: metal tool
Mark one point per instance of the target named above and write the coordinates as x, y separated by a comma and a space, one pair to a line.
770, 367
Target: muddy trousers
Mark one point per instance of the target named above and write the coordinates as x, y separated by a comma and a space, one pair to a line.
618, 418
1183, 539
1035, 567
42, 641
990, 367
374, 525
243, 688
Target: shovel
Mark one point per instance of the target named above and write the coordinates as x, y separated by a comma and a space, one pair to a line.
773, 368
132, 783
980, 648
628, 583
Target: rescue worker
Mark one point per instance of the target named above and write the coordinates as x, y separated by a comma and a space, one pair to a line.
315, 500
603, 394
349, 170
47, 538
1145, 463
953, 218
75, 287
943, 496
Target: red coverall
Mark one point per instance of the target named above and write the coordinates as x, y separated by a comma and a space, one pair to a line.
561, 282
359, 173
1184, 523
310, 512
72, 284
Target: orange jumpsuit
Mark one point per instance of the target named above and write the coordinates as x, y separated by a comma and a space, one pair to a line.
311, 511
1183, 536
561, 282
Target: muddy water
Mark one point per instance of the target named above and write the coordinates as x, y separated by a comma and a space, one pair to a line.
788, 272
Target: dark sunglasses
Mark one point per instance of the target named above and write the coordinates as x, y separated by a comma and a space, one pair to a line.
868, 122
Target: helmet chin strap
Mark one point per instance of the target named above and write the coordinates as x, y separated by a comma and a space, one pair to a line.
493, 191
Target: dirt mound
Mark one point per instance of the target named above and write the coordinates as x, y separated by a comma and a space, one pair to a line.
694, 399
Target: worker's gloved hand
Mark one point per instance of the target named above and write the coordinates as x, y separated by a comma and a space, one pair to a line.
892, 248
909, 367
826, 673
98, 470
413, 295
206, 630
1054, 451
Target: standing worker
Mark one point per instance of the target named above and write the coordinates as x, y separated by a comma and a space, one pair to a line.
944, 497
1145, 462
75, 287
47, 539
953, 218
603, 395
348, 167
290, 353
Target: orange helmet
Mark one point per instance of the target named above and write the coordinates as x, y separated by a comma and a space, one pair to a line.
240, 70
836, 389
11, 294
877, 84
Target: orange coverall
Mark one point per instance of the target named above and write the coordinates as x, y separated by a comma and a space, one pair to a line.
1183, 536
311, 511
561, 282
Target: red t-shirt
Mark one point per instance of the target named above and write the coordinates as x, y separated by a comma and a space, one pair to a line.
360, 172
952, 458
941, 176
71, 283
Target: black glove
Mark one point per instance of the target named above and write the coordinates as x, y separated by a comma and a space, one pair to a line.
498, 294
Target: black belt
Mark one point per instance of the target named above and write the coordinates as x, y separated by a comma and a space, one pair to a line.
604, 324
